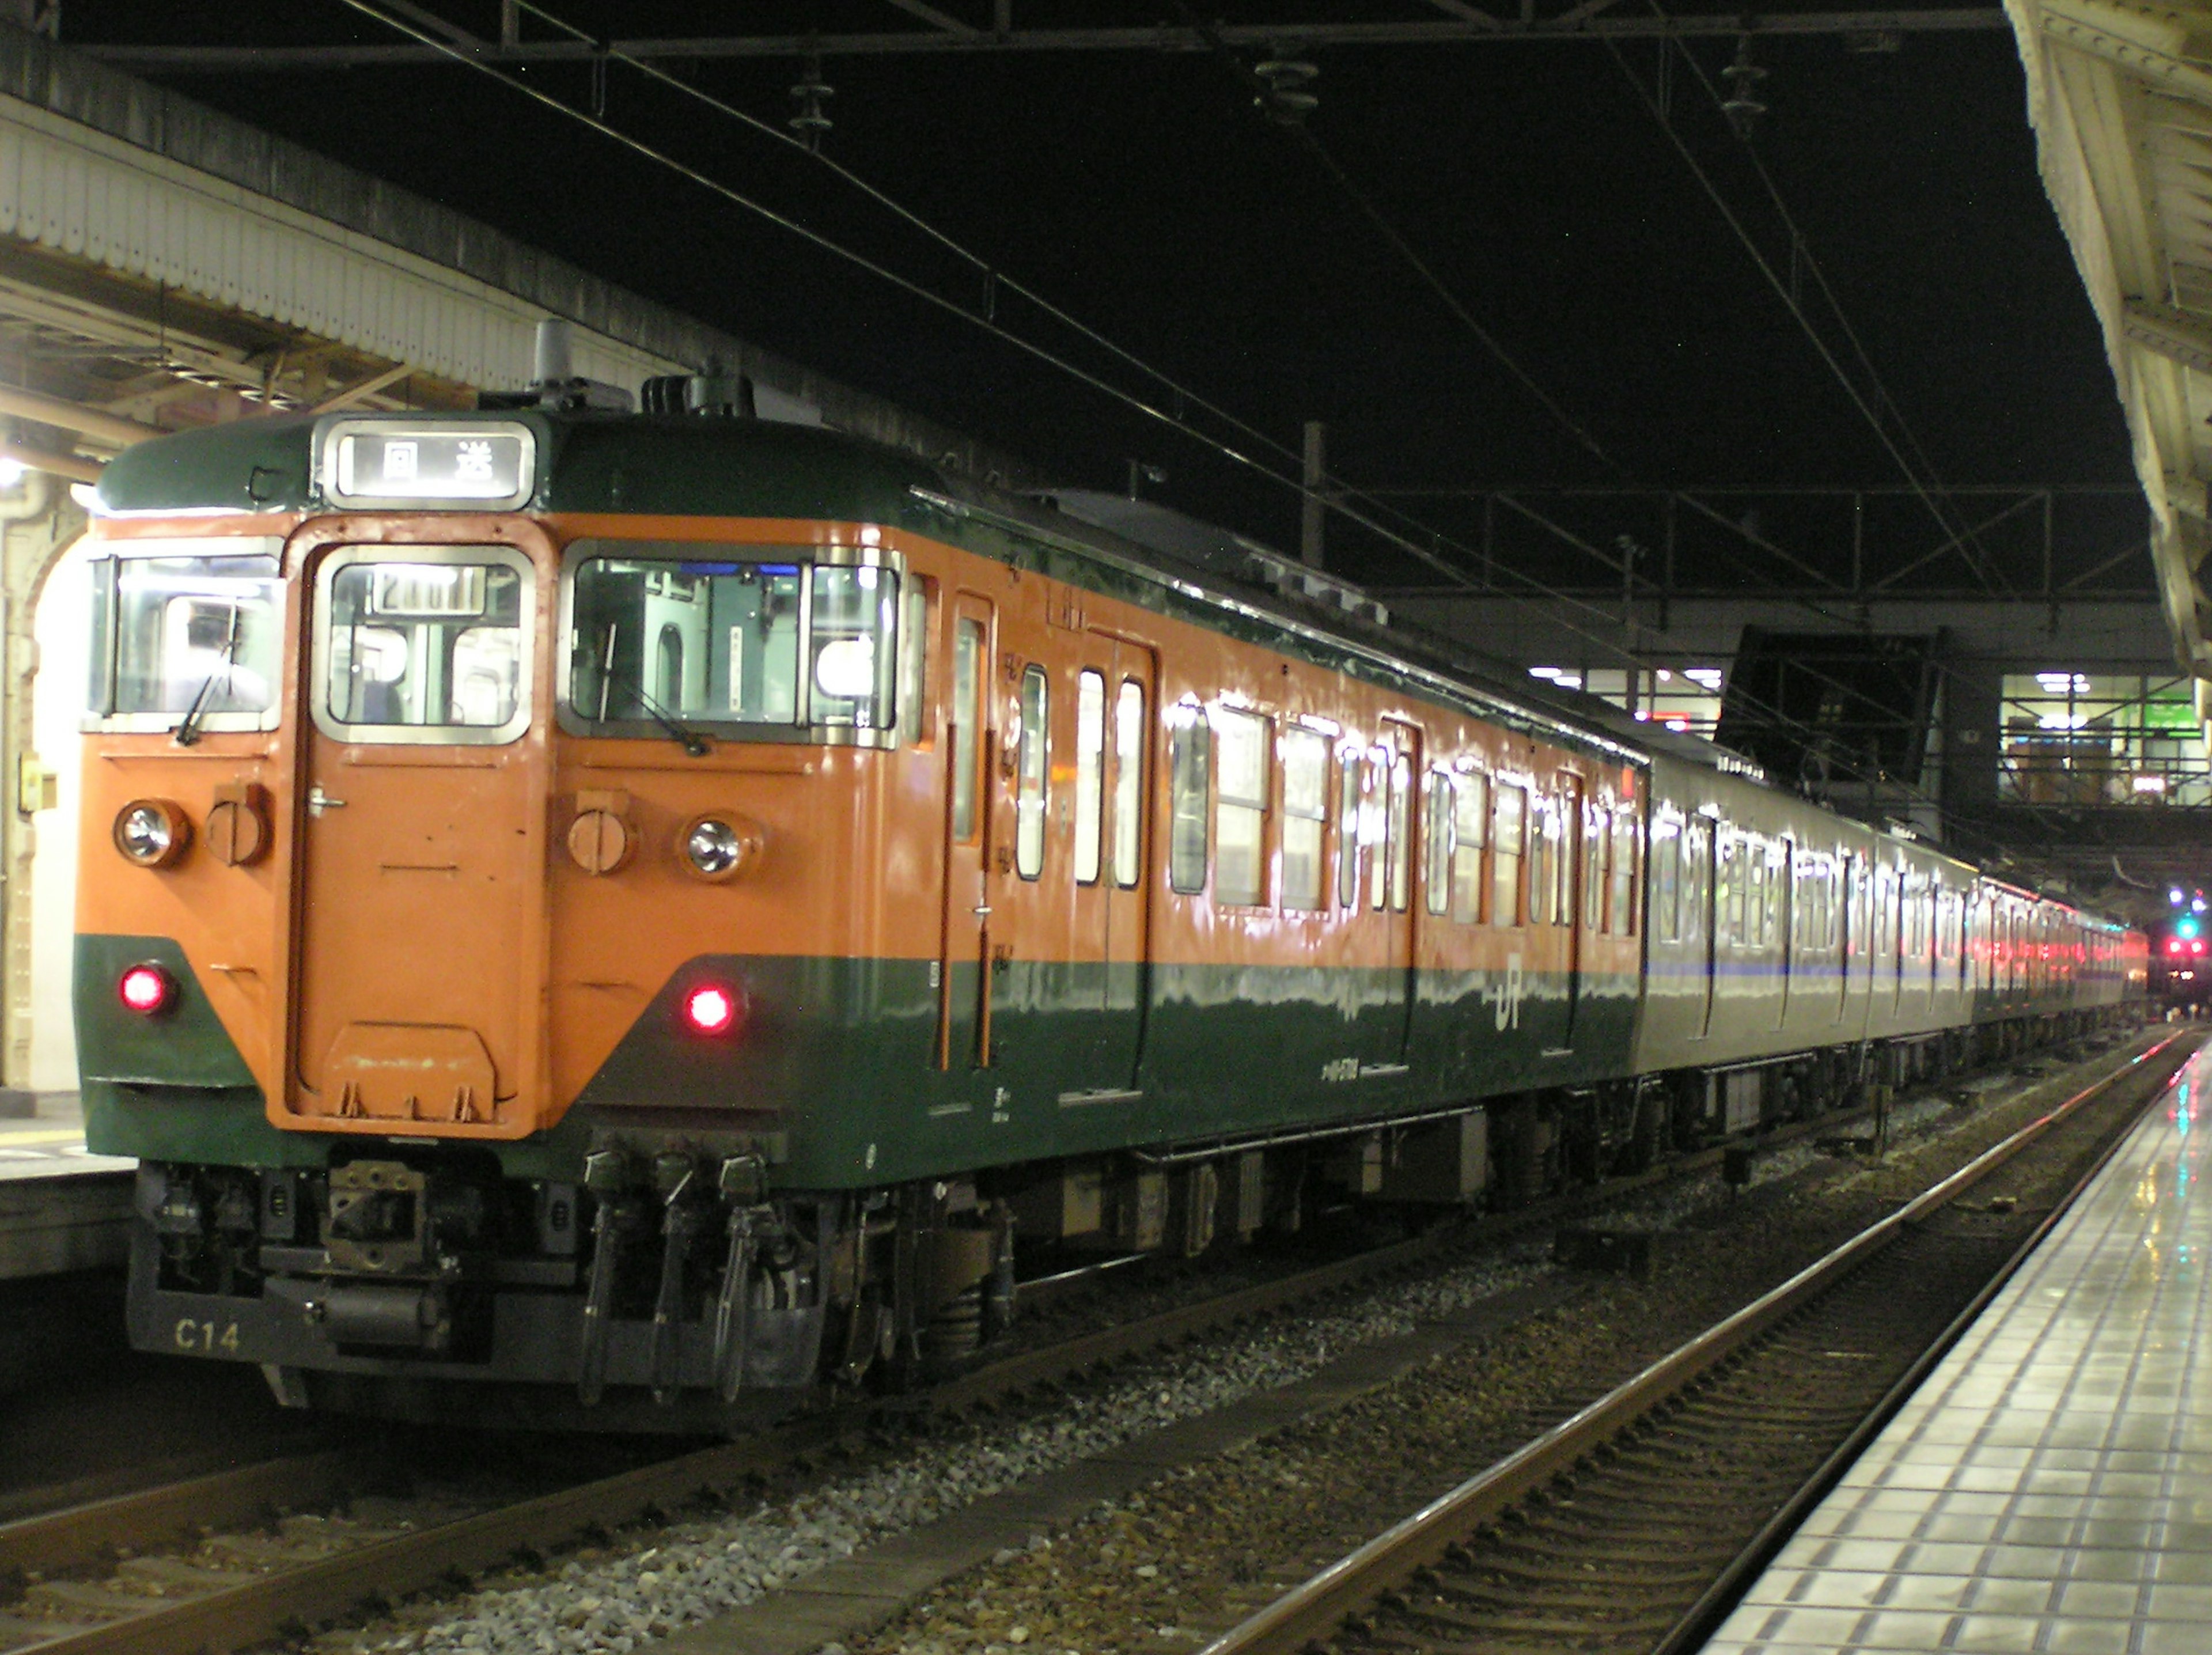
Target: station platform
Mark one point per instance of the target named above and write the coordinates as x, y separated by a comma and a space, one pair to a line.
61, 1209
2049, 1487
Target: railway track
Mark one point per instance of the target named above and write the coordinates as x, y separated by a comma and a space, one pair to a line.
1627, 1529
225, 1561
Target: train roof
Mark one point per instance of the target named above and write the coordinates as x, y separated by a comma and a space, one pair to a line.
689, 465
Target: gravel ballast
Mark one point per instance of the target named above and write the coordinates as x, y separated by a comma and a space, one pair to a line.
1192, 1552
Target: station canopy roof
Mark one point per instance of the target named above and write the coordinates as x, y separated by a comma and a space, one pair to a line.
164, 266
2120, 97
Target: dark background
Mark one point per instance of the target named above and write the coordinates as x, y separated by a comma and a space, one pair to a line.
1145, 194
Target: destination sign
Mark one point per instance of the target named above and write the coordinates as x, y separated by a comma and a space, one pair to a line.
398, 462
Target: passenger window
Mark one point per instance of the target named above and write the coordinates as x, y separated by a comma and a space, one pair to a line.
1443, 825
1666, 880
1035, 758
1595, 847
1129, 785
967, 684
1506, 842
1375, 824
1351, 786
1398, 832
1305, 810
1543, 829
1730, 890
1471, 821
1699, 918
1241, 742
1189, 760
1089, 773
1623, 910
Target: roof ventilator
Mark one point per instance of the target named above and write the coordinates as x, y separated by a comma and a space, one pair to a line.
554, 385
1295, 579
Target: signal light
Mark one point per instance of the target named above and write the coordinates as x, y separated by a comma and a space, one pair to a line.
713, 1008
2188, 926
2174, 945
146, 989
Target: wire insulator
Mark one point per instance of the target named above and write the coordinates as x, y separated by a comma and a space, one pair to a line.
1287, 99
1742, 106
811, 121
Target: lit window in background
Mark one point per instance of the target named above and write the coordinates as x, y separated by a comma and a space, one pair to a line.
1686, 699
2085, 739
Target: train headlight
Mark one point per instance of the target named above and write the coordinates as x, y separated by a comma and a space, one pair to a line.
713, 1008
146, 989
152, 832
720, 846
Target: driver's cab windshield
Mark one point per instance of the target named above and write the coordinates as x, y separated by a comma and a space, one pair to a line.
182, 627
422, 646
737, 643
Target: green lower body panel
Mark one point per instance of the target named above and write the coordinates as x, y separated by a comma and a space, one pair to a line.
837, 1059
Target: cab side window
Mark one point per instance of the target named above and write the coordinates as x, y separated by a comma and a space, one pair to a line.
1029, 784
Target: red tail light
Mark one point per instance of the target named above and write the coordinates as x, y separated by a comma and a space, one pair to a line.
713, 1008
146, 989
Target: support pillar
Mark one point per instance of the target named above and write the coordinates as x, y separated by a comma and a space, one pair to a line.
38, 528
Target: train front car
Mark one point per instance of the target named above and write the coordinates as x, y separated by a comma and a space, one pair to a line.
492, 825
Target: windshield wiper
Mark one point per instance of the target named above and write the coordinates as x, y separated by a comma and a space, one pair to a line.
188, 729
691, 741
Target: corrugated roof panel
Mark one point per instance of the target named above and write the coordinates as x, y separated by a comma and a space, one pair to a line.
167, 190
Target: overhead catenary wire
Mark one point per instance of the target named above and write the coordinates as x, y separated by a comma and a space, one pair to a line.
1803, 258
1780, 284
1337, 500
997, 280
596, 120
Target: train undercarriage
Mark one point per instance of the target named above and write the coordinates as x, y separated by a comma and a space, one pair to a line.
677, 1290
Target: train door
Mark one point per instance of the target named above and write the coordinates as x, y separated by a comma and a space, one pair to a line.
1572, 897
1701, 871
1786, 924
963, 981
1399, 762
1114, 690
1850, 922
421, 868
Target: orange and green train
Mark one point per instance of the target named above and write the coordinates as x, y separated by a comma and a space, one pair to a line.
686, 910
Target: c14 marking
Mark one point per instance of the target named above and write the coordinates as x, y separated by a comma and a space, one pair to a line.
202, 1336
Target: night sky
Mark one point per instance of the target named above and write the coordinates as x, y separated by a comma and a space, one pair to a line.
1144, 194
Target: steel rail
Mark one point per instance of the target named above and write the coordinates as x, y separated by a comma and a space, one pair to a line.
1704, 1617
1311, 1610
93, 1532
240, 1617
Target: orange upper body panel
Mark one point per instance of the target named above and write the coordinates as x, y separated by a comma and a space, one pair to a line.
439, 897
